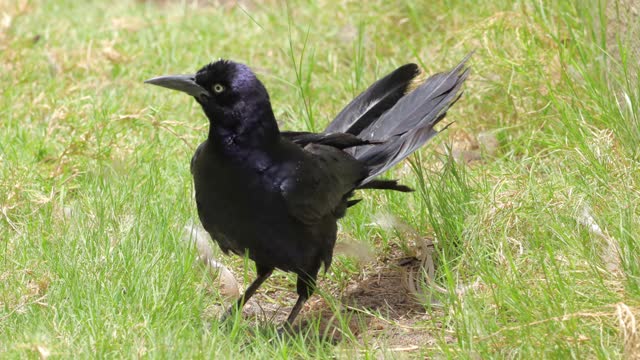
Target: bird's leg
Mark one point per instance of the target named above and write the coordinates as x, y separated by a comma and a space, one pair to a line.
305, 286
296, 309
263, 274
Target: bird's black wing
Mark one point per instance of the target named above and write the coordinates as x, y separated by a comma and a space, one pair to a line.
336, 140
321, 183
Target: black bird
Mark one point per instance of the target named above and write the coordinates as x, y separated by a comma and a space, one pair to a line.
276, 196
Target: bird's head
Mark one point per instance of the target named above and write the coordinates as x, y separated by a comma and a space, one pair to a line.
230, 94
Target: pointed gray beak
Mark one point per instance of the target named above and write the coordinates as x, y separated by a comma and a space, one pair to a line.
184, 83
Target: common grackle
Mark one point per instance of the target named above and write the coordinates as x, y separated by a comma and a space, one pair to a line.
276, 196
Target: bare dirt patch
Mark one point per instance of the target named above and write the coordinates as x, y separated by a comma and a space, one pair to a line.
377, 308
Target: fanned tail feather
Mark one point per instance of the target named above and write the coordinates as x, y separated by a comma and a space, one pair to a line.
402, 118
375, 101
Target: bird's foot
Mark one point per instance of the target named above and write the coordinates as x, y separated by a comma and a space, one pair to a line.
228, 314
285, 330
225, 316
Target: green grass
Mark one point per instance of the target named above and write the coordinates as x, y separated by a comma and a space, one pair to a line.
95, 189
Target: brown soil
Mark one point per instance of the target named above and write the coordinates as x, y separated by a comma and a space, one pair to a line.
379, 309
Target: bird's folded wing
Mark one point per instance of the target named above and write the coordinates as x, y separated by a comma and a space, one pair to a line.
320, 183
336, 139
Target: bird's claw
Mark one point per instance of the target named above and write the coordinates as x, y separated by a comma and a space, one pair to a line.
284, 330
224, 318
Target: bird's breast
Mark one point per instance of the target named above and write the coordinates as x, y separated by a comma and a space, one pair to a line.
240, 199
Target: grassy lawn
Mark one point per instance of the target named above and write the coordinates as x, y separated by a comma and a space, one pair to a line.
521, 240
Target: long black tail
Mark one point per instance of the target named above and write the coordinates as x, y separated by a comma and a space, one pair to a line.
403, 119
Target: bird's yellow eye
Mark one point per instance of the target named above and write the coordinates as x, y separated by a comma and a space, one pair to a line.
218, 88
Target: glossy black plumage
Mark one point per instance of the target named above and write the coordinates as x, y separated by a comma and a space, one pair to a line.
276, 196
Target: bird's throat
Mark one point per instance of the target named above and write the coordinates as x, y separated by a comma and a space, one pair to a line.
231, 131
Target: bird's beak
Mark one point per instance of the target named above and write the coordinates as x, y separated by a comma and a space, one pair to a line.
184, 83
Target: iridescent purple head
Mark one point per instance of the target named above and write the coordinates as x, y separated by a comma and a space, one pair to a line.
230, 94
